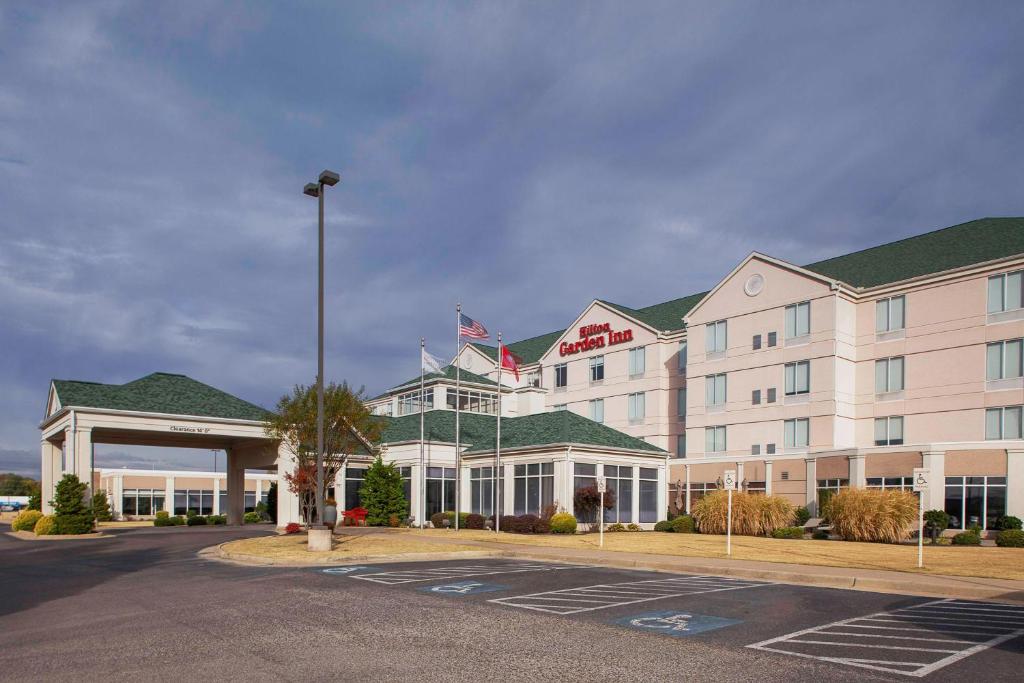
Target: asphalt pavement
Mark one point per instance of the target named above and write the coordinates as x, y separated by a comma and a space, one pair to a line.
143, 605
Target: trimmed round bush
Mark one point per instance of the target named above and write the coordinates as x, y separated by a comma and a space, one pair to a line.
46, 526
474, 521
26, 520
791, 532
969, 537
663, 525
250, 518
222, 519
563, 523
1010, 538
683, 524
615, 527
177, 520
1009, 523
196, 520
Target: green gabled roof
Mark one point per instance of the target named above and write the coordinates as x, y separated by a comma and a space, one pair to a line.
529, 350
556, 427
160, 392
978, 241
439, 425
664, 317
449, 373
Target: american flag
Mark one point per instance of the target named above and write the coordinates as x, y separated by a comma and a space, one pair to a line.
470, 328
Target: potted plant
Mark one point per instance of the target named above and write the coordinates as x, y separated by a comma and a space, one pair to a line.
330, 512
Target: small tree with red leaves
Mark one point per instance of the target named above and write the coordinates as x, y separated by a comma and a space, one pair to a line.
302, 482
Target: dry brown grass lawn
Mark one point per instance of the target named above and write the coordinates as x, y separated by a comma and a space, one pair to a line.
986, 562
292, 547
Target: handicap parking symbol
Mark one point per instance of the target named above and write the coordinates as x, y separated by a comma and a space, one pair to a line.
675, 623
342, 570
463, 588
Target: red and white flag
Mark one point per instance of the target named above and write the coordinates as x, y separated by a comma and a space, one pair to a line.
510, 361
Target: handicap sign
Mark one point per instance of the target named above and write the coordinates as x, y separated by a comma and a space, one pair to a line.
675, 623
463, 588
342, 570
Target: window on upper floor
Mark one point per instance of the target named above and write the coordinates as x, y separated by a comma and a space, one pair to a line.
681, 402
682, 357
890, 314
716, 337
773, 339
533, 379
889, 375
795, 432
755, 344
561, 375
1003, 360
714, 439
798, 320
755, 449
769, 449
597, 410
560, 406
1003, 423
637, 361
597, 369
1005, 292
681, 446
637, 406
755, 397
798, 378
771, 395
715, 390
889, 431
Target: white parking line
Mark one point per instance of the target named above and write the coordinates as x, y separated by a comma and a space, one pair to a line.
464, 571
603, 596
979, 626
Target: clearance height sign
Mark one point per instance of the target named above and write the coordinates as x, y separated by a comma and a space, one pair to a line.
595, 337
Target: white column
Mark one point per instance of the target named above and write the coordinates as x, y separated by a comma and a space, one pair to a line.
50, 466
662, 491
287, 502
1014, 483
739, 476
235, 487
768, 474
508, 504
466, 494
169, 495
636, 495
935, 461
118, 495
217, 483
83, 458
687, 468
858, 471
811, 486
569, 484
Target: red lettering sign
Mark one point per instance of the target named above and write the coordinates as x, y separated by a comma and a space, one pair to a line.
595, 337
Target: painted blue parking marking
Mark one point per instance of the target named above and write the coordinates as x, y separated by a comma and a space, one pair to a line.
342, 570
675, 622
463, 588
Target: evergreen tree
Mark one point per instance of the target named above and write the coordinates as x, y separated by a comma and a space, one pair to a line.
101, 507
272, 501
71, 514
35, 501
382, 494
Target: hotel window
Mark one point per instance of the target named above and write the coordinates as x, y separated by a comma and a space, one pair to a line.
798, 378
716, 337
637, 406
561, 375
755, 449
648, 495
249, 500
1004, 292
681, 446
353, 482
682, 357
714, 439
1003, 360
597, 410
769, 449
481, 486
755, 397
584, 475
889, 375
889, 431
193, 499
637, 361
597, 369
406, 473
758, 488
681, 403
534, 488
890, 314
714, 386
896, 483
829, 487
471, 401
142, 501
440, 489
974, 501
773, 338
699, 489
798, 320
1003, 423
533, 379
771, 395
756, 343
560, 406
795, 432
620, 481
409, 403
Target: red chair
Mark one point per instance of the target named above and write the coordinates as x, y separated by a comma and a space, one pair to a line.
355, 517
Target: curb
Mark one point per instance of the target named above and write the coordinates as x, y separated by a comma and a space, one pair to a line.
218, 553
29, 536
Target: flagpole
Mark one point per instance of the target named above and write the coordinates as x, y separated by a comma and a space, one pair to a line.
458, 397
423, 472
497, 449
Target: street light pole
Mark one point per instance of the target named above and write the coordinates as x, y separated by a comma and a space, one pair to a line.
326, 179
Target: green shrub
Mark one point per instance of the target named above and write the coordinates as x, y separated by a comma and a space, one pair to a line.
222, 519
935, 522
177, 520
437, 519
73, 516
879, 515
683, 524
615, 527
792, 532
35, 501
163, 514
969, 537
801, 516
191, 513
382, 493
1008, 523
1010, 538
820, 535
196, 520
165, 520
251, 518
634, 527
563, 523
26, 520
46, 526
101, 507
663, 525
752, 514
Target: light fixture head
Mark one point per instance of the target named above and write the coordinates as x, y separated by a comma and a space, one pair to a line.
329, 178
311, 190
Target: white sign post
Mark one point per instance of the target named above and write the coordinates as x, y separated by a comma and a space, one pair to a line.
602, 486
922, 479
729, 483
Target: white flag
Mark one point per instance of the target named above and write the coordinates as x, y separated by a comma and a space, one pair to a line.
432, 363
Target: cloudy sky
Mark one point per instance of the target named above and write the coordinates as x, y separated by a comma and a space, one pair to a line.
523, 158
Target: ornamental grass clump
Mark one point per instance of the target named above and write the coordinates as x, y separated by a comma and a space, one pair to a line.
752, 514
874, 515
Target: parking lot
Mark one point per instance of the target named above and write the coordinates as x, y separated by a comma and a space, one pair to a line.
144, 604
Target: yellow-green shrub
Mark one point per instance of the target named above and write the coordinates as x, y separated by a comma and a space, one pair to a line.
752, 514
26, 520
883, 515
563, 523
46, 526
